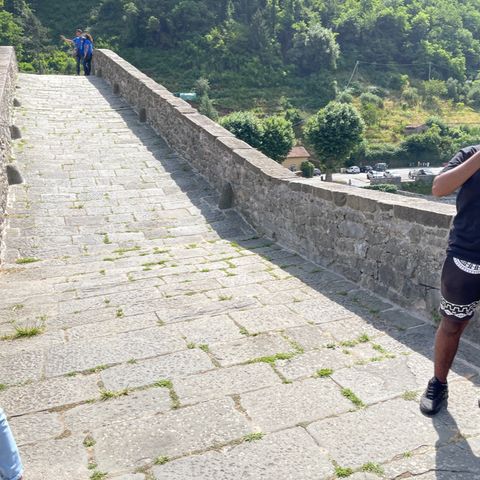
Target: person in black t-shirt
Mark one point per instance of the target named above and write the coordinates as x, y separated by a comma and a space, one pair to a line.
460, 284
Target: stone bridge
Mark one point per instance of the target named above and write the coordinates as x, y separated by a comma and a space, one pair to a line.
175, 305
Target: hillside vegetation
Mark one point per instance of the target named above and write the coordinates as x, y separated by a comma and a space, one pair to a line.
404, 61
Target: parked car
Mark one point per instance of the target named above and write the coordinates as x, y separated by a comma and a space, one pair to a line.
374, 174
387, 174
365, 169
317, 172
419, 171
380, 167
353, 169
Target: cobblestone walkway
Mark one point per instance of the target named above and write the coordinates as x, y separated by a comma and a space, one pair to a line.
148, 335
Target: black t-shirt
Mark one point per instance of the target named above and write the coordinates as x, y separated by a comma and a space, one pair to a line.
464, 240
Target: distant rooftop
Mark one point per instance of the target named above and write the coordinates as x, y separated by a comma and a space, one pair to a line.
298, 152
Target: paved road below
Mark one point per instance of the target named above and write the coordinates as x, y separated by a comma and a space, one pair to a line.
168, 341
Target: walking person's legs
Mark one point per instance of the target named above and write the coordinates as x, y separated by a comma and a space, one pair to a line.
87, 65
460, 297
446, 346
10, 464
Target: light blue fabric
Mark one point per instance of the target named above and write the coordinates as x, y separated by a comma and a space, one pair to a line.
11, 467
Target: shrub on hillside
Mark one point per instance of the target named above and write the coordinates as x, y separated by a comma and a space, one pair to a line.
368, 98
384, 187
344, 97
307, 169
473, 95
245, 126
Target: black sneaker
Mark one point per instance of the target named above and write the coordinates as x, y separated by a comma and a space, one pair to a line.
434, 397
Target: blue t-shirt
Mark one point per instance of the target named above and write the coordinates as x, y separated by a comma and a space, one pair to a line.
464, 240
78, 43
87, 47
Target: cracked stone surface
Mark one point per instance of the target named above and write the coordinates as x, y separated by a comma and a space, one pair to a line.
151, 304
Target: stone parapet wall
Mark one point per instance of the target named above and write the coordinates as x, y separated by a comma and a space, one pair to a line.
8, 76
391, 244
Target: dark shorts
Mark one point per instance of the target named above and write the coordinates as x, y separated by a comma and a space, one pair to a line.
460, 289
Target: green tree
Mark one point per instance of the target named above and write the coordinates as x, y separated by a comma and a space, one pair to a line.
245, 126
334, 132
205, 107
314, 49
10, 32
277, 138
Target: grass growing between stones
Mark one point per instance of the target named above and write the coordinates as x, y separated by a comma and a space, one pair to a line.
162, 460
109, 394
324, 372
98, 475
347, 393
26, 260
173, 395
24, 332
343, 472
97, 369
89, 441
253, 437
410, 396
372, 468
273, 358
122, 251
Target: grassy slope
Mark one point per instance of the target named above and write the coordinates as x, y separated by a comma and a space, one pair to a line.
394, 119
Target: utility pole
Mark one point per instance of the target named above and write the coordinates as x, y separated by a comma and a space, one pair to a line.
353, 74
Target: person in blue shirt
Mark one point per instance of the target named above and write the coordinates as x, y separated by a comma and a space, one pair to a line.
77, 43
87, 54
10, 464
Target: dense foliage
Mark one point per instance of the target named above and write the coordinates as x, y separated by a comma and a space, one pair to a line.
21, 28
420, 53
274, 136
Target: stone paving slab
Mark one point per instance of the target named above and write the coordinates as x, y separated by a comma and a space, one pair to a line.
377, 434
49, 394
37, 427
139, 374
225, 381
284, 455
200, 427
86, 418
83, 355
65, 458
202, 346
288, 405
250, 348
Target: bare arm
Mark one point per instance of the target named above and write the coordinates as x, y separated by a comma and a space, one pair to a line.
447, 182
68, 40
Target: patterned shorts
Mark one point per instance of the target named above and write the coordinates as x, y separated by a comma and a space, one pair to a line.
460, 289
